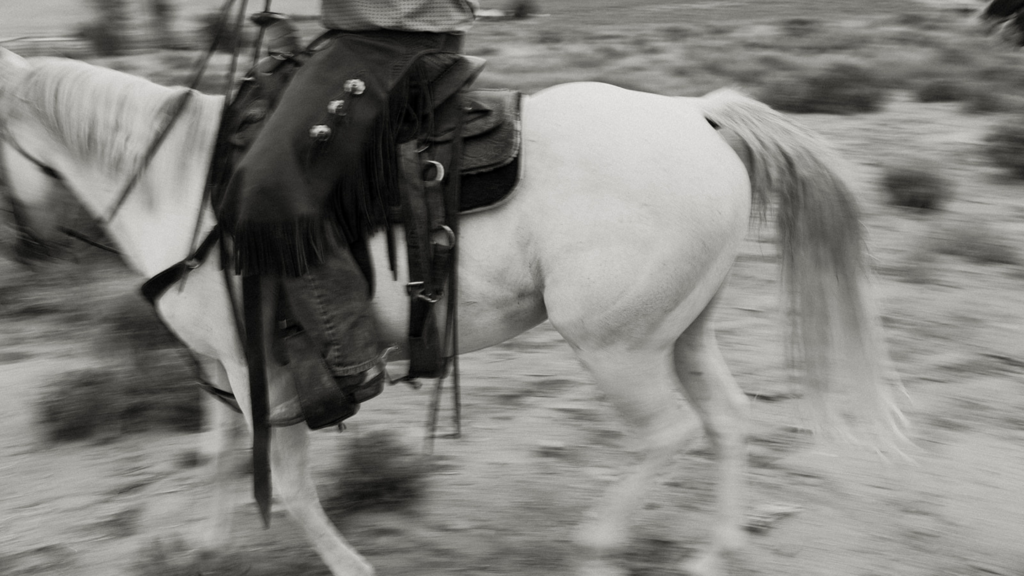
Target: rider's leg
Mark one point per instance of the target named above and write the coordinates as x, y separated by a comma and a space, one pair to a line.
314, 170
334, 351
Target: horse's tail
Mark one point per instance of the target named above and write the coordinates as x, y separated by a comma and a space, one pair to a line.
835, 330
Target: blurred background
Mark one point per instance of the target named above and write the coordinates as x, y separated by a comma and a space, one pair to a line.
99, 471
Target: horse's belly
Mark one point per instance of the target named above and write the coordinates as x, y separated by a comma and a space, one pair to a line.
498, 298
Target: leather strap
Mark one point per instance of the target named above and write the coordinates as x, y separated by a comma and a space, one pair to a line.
424, 345
153, 288
255, 357
430, 199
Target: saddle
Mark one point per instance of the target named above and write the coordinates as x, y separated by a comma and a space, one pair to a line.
490, 127
459, 154
490, 134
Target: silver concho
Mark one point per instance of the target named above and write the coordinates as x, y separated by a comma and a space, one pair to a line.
320, 132
355, 86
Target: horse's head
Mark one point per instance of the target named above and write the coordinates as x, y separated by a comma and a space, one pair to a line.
35, 198
39, 207
95, 138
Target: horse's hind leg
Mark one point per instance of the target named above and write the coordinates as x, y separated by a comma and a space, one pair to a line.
722, 406
641, 385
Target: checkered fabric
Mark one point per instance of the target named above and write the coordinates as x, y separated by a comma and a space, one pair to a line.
451, 16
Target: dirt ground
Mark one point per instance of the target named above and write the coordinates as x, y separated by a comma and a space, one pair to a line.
539, 444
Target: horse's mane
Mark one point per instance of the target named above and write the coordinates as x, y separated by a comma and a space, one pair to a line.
104, 116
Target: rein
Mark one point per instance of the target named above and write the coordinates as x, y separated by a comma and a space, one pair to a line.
174, 111
176, 108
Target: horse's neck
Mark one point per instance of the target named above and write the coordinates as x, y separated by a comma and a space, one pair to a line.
155, 225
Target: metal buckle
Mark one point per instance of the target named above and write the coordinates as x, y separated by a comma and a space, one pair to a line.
412, 287
416, 289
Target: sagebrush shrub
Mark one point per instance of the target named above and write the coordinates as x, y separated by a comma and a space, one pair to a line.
159, 393
75, 406
148, 383
916, 184
104, 39
520, 9
378, 471
108, 35
976, 242
840, 88
986, 102
801, 26
943, 90
131, 326
1004, 147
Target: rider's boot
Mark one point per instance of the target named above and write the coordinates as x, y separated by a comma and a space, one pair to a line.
331, 343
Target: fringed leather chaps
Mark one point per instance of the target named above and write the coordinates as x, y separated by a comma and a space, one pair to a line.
325, 159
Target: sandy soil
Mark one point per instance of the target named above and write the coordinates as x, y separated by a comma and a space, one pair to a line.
540, 445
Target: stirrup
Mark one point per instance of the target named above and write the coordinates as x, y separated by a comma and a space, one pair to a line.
321, 400
370, 388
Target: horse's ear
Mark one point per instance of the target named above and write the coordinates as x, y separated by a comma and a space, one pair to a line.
12, 69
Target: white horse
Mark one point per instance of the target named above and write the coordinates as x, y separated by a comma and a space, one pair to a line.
626, 222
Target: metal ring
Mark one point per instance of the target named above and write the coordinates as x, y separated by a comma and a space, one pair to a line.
448, 232
439, 171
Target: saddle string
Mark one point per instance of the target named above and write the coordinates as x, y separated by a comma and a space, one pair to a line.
451, 334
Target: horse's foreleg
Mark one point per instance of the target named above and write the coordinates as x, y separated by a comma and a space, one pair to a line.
293, 483
642, 387
722, 406
289, 457
218, 449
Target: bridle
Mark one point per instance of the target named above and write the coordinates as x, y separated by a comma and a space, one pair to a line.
174, 109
